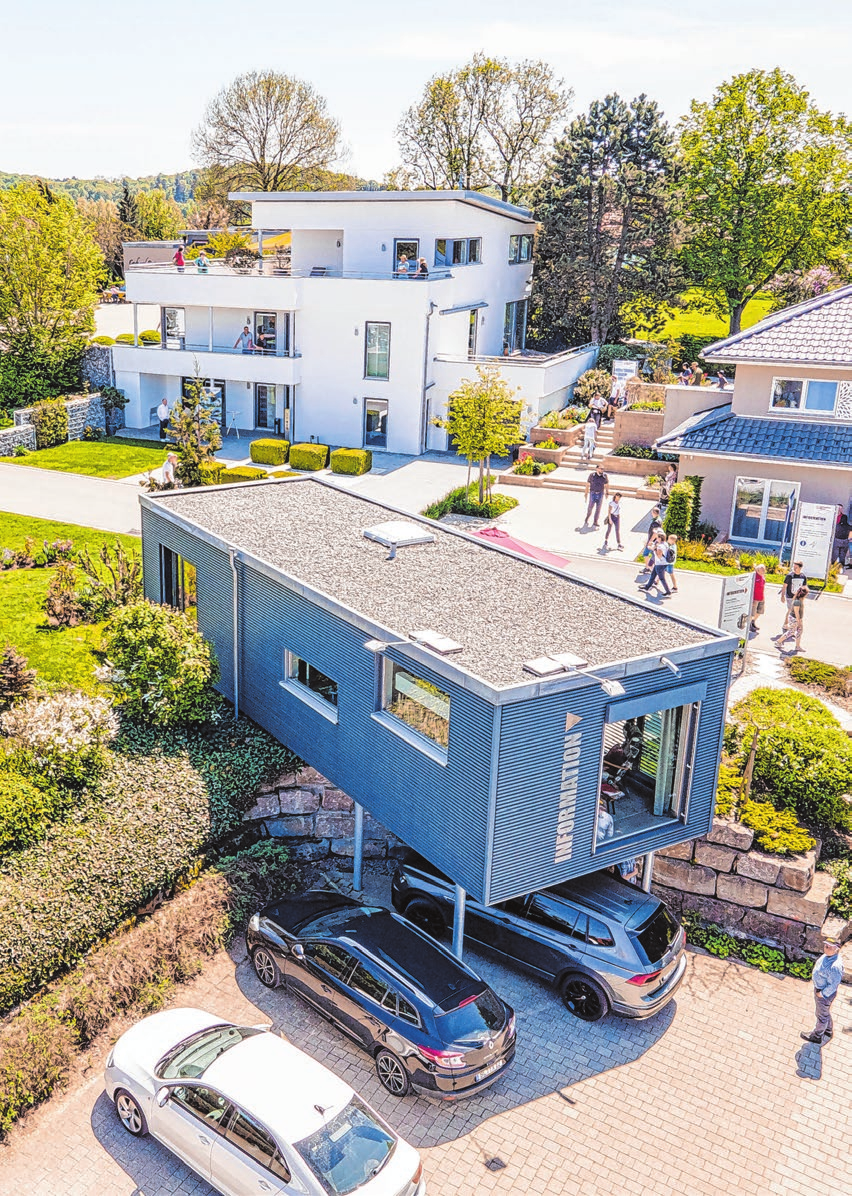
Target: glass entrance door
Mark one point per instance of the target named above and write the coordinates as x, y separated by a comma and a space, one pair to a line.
266, 332
763, 509
272, 408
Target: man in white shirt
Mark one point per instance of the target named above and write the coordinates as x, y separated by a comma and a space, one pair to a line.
163, 417
170, 478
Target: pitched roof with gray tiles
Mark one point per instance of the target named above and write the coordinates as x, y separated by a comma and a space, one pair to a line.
720, 432
816, 332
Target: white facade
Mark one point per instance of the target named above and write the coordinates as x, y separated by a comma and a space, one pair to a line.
322, 321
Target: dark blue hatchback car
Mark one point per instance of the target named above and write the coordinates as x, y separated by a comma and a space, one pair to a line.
427, 1019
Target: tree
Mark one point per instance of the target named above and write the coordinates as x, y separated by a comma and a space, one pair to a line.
195, 432
159, 218
128, 212
767, 182
483, 418
483, 126
16, 680
105, 226
50, 273
609, 230
262, 131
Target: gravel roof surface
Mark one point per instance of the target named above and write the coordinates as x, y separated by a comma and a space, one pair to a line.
504, 610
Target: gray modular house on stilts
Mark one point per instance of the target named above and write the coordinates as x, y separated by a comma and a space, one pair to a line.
515, 724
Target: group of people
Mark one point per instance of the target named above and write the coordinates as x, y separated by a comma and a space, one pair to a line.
660, 556
693, 375
416, 268
202, 262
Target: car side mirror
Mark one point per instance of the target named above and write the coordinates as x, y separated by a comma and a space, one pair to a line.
163, 1096
298, 951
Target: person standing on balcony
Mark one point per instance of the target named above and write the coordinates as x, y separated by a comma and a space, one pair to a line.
422, 268
179, 260
244, 341
402, 265
202, 263
163, 417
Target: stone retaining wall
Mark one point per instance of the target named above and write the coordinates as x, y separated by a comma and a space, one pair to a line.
317, 819
773, 899
83, 411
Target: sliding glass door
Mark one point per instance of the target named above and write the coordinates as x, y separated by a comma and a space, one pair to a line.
763, 509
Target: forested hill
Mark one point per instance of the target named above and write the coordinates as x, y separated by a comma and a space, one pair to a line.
180, 186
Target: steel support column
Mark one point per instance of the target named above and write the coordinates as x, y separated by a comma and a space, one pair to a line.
358, 849
648, 872
458, 921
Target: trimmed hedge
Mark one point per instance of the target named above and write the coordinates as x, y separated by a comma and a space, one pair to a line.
351, 460
678, 516
102, 340
164, 797
150, 337
24, 811
309, 456
242, 473
270, 452
125, 338
211, 472
285, 473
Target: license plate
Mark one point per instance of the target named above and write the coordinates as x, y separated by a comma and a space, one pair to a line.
488, 1071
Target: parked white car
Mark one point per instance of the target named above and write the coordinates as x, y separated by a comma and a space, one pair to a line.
253, 1114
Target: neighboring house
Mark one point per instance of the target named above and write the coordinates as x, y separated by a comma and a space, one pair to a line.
347, 346
785, 437
422, 686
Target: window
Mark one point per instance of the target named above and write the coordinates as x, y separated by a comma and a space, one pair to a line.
363, 981
558, 914
191, 1057
210, 1106
471, 333
804, 394
266, 332
375, 423
458, 251
377, 350
400, 1008
349, 1150
177, 581
174, 327
520, 248
407, 248
253, 1140
213, 396
310, 684
764, 509
515, 326
331, 959
419, 704
647, 770
599, 934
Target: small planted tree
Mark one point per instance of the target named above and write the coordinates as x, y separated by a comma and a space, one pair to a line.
483, 418
16, 680
113, 579
678, 518
195, 431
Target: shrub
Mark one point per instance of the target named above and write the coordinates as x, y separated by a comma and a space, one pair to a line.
607, 354
351, 460
591, 383
150, 337
706, 531
841, 895
641, 452
678, 517
50, 420
125, 338
211, 472
114, 579
775, 831
102, 340
527, 466
270, 452
285, 473
550, 443
90, 433
159, 666
719, 942
727, 790
309, 456
61, 604
23, 812
21, 451
832, 678
767, 959
566, 418
464, 501
695, 482
61, 739
241, 473
16, 680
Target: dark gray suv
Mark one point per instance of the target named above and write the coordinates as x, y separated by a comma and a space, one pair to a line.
607, 946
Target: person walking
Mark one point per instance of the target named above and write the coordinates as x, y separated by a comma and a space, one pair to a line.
827, 975
179, 260
597, 489
163, 417
590, 439
671, 559
598, 408
792, 583
613, 520
170, 478
244, 340
648, 550
842, 536
658, 571
758, 598
797, 614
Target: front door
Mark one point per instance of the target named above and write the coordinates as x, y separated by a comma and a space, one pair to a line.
319, 977
272, 408
266, 332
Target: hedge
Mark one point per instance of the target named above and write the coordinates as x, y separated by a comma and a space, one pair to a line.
285, 473
150, 337
211, 472
242, 473
133, 973
102, 340
165, 796
309, 456
24, 809
834, 679
50, 419
270, 452
678, 516
351, 460
125, 338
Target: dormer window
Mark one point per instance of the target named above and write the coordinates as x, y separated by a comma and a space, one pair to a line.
804, 394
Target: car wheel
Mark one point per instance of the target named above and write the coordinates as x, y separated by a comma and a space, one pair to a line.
129, 1114
265, 968
584, 998
424, 915
392, 1074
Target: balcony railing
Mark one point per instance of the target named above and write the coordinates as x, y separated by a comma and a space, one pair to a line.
524, 358
269, 269
180, 345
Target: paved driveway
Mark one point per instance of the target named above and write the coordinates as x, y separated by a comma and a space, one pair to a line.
716, 1095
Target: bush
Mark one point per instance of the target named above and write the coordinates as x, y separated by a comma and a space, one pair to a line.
464, 500
351, 460
706, 531
241, 473
90, 433
607, 354
125, 338
24, 811
270, 452
285, 473
102, 340
648, 405
727, 790
16, 680
832, 678
678, 516
50, 420
61, 604
61, 739
695, 482
113, 579
692, 346
719, 942
21, 451
566, 418
309, 456
159, 666
527, 466
550, 443
775, 831
642, 452
593, 382
150, 337
211, 472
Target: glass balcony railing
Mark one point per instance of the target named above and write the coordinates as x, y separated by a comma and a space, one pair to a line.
270, 269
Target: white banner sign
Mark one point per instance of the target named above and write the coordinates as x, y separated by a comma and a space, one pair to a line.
621, 371
735, 608
814, 538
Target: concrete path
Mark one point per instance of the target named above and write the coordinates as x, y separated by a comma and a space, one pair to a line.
71, 498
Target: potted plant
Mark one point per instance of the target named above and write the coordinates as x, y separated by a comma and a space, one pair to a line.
114, 401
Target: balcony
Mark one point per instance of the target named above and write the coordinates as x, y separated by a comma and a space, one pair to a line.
538, 375
219, 361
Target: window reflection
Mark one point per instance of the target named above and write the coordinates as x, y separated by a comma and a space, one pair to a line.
418, 703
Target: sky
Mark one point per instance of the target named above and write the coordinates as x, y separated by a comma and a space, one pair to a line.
92, 89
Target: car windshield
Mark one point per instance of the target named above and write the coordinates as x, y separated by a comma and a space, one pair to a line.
473, 1021
190, 1059
348, 1150
328, 924
654, 938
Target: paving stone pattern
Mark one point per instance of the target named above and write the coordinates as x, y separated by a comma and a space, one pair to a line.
716, 1095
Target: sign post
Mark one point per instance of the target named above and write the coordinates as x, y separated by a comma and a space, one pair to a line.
735, 607
813, 538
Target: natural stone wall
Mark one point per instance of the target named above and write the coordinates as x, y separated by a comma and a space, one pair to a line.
318, 820
83, 411
778, 900
96, 367
10, 438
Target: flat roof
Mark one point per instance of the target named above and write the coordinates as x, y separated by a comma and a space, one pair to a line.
476, 198
503, 609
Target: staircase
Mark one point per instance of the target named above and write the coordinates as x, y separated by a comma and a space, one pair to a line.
572, 473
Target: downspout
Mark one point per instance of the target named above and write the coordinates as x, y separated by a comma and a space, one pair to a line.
235, 631
424, 402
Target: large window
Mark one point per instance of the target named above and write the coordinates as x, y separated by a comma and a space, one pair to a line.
311, 685
458, 251
520, 248
376, 423
377, 350
177, 581
266, 332
419, 704
804, 394
647, 771
406, 251
763, 509
213, 396
515, 326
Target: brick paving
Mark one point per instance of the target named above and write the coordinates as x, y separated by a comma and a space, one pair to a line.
717, 1095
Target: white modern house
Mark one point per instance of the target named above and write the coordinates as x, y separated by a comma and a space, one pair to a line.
358, 334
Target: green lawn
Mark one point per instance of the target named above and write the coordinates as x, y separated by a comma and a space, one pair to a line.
696, 323
110, 458
65, 656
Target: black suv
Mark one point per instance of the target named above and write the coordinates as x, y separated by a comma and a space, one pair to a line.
429, 1022
606, 945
